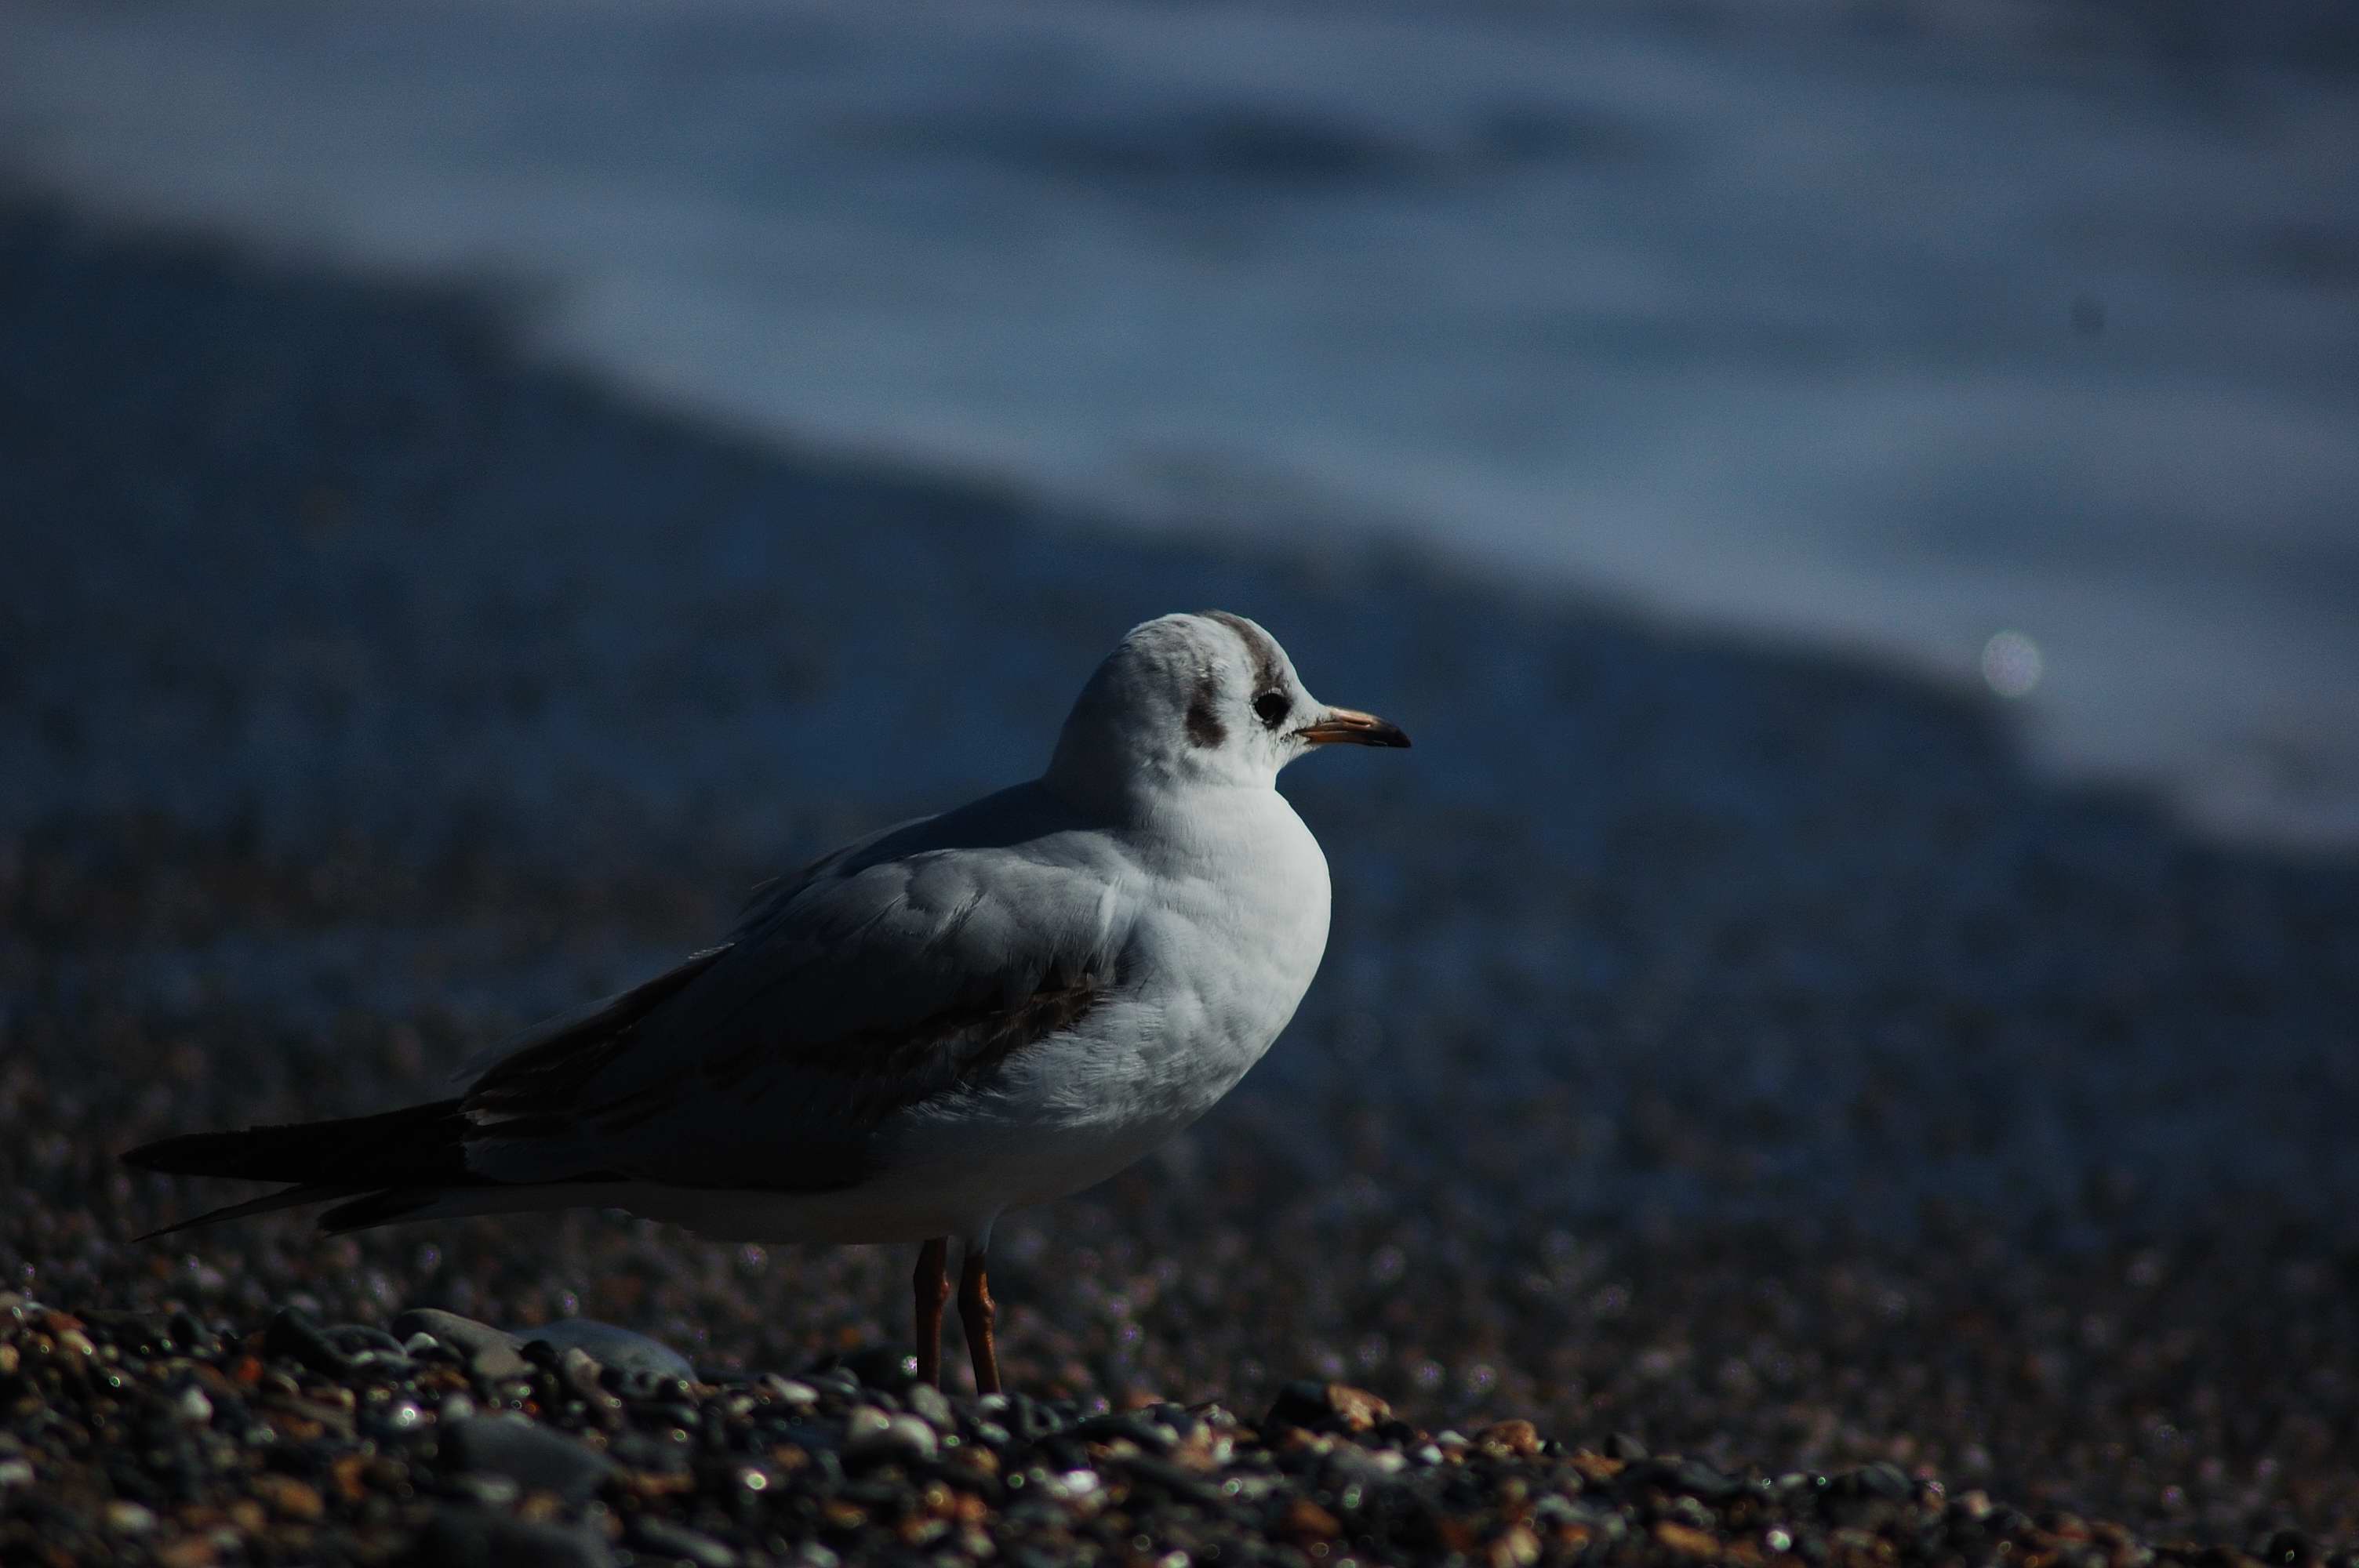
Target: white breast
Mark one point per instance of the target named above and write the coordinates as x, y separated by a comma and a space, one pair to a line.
1225, 928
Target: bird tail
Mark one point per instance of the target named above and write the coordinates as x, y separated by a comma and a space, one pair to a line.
390, 1164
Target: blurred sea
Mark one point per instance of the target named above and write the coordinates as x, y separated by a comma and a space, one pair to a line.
2017, 342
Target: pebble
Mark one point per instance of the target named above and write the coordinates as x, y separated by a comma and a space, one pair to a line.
662, 1538
1328, 1407
129, 1517
535, 1457
869, 1432
293, 1334
1514, 1439
930, 1405
289, 1498
492, 1354
618, 1348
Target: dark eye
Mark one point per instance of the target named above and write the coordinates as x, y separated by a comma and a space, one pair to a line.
1271, 708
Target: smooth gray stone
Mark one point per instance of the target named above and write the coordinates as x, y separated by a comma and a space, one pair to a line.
534, 1457
620, 1348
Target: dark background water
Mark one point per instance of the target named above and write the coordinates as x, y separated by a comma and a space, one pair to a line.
1893, 328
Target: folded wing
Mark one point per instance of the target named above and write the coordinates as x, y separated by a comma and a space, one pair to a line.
909, 967
876, 984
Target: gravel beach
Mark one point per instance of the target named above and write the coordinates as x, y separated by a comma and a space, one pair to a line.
1825, 1135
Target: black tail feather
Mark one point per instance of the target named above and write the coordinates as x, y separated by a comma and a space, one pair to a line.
269, 1203
387, 1207
420, 1144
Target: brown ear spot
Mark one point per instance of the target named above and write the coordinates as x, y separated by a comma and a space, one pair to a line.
1204, 726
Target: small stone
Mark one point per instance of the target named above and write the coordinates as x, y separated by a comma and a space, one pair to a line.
359, 1339
913, 1437
1687, 1541
1884, 1479
496, 1363
1595, 1466
492, 1491
290, 1499
1132, 1426
126, 1517
792, 1392
870, 1433
835, 1381
580, 1373
1695, 1478
193, 1406
534, 1457
1327, 1407
1305, 1521
1516, 1547
190, 1551
661, 1538
297, 1339
1510, 1439
1624, 1447
930, 1405
490, 1353
1031, 1419
610, 1346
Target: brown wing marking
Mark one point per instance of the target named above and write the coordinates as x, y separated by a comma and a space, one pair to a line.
890, 1068
543, 1088
549, 1076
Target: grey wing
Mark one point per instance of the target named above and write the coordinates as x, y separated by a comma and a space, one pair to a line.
876, 984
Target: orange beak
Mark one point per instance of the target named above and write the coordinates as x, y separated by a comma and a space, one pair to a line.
1352, 727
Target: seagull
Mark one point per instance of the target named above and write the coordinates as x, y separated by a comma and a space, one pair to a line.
954, 1017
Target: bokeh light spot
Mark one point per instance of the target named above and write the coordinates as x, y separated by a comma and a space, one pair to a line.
2011, 663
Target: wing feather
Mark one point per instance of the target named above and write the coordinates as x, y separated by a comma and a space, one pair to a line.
899, 971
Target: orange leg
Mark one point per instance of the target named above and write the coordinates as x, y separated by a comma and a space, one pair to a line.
978, 1312
931, 1285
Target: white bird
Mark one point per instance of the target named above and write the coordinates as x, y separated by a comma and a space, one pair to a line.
951, 1017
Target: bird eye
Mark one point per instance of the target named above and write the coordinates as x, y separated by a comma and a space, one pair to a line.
1271, 708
